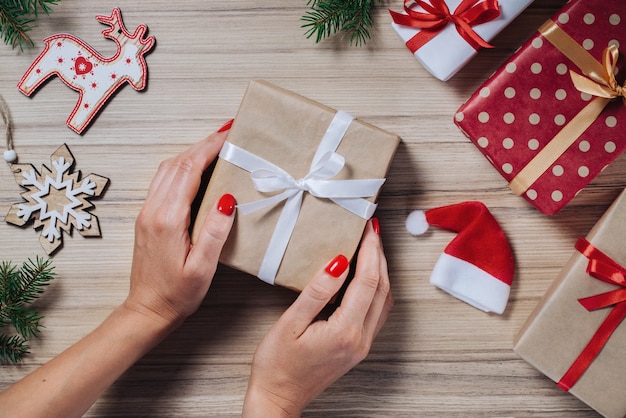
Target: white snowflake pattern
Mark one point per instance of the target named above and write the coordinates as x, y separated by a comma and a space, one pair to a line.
59, 197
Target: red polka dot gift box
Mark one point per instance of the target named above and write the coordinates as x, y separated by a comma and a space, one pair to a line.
552, 117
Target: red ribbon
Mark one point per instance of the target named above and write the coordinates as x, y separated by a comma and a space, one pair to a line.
603, 268
469, 13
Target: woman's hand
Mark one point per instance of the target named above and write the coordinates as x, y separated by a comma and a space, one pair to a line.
301, 356
170, 277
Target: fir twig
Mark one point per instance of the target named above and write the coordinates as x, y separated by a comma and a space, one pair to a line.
19, 288
17, 18
327, 17
12, 348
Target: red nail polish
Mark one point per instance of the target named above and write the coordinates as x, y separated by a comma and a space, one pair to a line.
226, 126
336, 267
226, 204
376, 225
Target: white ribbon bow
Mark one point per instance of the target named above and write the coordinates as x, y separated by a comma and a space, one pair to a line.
267, 177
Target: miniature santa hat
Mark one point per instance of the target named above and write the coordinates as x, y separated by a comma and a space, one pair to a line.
478, 265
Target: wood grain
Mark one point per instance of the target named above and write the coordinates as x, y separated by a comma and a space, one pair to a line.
436, 355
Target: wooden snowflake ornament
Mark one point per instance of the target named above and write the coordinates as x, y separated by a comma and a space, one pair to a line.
94, 77
56, 199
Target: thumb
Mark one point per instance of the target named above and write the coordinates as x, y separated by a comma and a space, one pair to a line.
316, 295
212, 235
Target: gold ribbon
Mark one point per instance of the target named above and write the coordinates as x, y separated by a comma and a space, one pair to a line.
598, 80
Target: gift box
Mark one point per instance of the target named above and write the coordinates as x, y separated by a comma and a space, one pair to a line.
286, 230
549, 119
576, 335
443, 46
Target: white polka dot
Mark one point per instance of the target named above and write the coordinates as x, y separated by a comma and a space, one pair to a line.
483, 142
585, 96
511, 67
611, 121
589, 19
483, 117
485, 92
533, 144
610, 146
558, 170
507, 168
557, 195
509, 118
561, 69
614, 19
535, 93
509, 92
563, 18
583, 171
584, 146
537, 42
559, 120
459, 116
614, 42
535, 68
588, 44
508, 143
531, 194
560, 94
534, 119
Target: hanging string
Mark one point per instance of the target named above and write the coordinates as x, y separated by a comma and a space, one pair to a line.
10, 156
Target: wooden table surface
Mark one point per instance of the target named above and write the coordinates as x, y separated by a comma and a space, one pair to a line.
436, 356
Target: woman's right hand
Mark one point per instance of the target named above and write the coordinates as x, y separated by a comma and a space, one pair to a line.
169, 276
301, 356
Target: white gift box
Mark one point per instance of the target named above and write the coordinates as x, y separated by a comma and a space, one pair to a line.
445, 54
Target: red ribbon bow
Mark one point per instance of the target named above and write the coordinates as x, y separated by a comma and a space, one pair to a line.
603, 268
469, 13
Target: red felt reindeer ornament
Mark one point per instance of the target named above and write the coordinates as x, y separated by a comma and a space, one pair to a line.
94, 77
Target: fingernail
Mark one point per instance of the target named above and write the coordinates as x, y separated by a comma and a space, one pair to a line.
376, 225
336, 267
226, 204
226, 126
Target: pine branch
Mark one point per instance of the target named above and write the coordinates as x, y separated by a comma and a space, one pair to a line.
33, 278
12, 348
32, 6
19, 288
17, 18
14, 25
358, 26
26, 322
327, 17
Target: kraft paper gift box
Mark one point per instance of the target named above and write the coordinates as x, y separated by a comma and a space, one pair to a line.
446, 48
560, 327
540, 118
287, 130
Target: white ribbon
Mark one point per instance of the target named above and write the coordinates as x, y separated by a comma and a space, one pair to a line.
267, 177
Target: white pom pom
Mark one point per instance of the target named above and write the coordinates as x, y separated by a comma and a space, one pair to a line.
10, 156
416, 222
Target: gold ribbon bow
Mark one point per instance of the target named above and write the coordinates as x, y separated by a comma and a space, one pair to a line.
602, 85
599, 81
